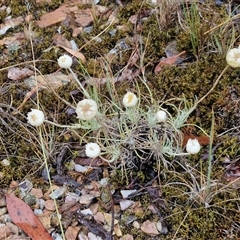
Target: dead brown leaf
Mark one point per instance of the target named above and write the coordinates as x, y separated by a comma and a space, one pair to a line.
232, 172
72, 232
96, 162
76, 54
11, 23
54, 17
59, 39
16, 39
48, 81
22, 215
16, 74
168, 61
82, 17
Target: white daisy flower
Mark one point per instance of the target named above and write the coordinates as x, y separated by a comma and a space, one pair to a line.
193, 146
129, 99
35, 117
65, 61
86, 109
233, 57
92, 150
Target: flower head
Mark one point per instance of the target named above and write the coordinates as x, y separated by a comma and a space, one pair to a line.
92, 150
129, 99
86, 109
65, 61
161, 116
233, 57
192, 146
35, 117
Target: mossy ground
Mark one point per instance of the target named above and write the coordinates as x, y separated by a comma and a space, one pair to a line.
188, 216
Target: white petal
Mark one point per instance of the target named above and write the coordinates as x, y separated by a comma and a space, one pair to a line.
233, 57
161, 116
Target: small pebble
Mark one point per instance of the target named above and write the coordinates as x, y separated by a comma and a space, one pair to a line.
136, 224
3, 210
86, 212
124, 204
38, 211
80, 168
58, 192
5, 162
126, 193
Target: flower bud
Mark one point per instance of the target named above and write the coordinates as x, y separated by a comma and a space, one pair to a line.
192, 146
161, 116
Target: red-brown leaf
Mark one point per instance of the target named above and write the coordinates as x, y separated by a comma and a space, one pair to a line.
168, 61
22, 215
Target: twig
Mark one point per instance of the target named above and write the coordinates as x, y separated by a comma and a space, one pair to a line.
94, 227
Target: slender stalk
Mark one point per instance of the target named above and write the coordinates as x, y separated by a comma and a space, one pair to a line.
50, 182
79, 83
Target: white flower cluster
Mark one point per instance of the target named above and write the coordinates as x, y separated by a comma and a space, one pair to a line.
87, 109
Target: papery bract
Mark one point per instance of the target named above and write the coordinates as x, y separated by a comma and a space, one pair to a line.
161, 116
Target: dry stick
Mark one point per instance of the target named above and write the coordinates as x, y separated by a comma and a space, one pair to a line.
235, 17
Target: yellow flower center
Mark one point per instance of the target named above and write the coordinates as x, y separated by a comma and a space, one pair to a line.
86, 108
130, 98
33, 117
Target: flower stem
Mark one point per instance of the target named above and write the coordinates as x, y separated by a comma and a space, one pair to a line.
79, 83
